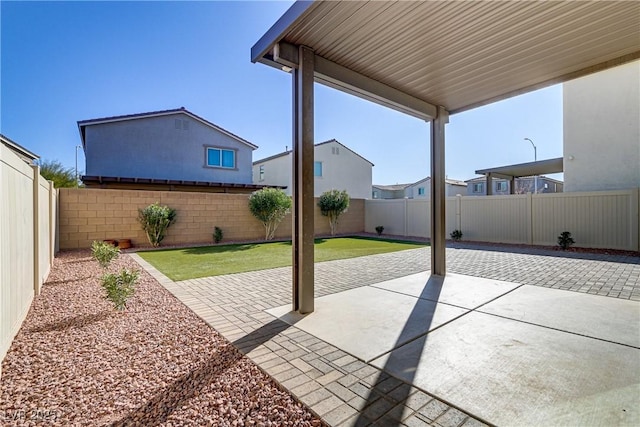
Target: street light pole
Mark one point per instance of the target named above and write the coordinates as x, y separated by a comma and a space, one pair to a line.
77, 146
535, 159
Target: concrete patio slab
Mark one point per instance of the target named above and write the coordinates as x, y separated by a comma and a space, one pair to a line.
513, 373
367, 322
457, 289
594, 316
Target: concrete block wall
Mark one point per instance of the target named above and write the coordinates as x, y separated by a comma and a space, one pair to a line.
98, 214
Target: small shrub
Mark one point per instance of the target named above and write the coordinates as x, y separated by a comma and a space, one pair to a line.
217, 234
269, 206
332, 204
155, 220
456, 235
379, 230
565, 240
104, 253
120, 287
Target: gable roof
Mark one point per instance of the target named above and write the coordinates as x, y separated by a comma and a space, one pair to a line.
82, 124
404, 186
18, 149
284, 153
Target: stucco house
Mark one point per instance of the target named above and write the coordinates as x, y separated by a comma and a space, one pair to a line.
601, 126
478, 186
336, 166
165, 150
417, 190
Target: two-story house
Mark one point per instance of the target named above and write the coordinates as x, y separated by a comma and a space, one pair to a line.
165, 150
336, 167
417, 190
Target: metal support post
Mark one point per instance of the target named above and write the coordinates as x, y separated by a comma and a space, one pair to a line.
438, 200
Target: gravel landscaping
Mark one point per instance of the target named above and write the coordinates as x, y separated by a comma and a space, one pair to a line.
76, 361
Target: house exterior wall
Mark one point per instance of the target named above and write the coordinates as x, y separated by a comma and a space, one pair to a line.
153, 147
602, 130
523, 186
341, 170
413, 191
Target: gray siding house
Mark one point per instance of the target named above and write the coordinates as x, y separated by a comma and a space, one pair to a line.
523, 185
170, 147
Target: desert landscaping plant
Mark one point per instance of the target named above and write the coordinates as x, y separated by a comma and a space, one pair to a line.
456, 235
269, 206
104, 253
53, 170
379, 230
155, 220
120, 287
217, 234
565, 240
332, 204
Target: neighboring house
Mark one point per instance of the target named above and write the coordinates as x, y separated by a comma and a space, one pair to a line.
523, 185
335, 167
165, 150
26, 155
418, 190
601, 122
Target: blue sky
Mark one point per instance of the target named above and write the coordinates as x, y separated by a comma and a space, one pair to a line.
67, 61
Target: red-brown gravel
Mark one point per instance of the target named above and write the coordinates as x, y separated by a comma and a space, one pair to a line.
76, 361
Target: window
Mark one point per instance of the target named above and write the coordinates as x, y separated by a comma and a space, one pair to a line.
478, 187
261, 173
420, 191
317, 168
375, 195
220, 158
501, 186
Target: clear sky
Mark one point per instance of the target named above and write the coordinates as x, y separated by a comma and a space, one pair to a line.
67, 61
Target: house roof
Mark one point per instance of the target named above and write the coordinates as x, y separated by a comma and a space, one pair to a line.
396, 187
415, 56
404, 186
14, 146
128, 180
82, 124
284, 153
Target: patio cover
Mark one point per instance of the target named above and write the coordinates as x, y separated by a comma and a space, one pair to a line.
429, 59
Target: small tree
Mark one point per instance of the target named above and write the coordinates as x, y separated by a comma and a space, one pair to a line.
565, 240
332, 204
120, 287
104, 253
155, 220
53, 170
269, 206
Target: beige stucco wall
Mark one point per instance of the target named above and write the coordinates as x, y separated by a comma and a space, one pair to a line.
96, 214
602, 130
341, 170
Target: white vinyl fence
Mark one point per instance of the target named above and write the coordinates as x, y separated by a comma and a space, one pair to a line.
27, 240
602, 219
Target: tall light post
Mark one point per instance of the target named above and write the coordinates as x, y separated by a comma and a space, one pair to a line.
77, 146
535, 159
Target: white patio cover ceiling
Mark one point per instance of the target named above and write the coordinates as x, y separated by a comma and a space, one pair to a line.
459, 54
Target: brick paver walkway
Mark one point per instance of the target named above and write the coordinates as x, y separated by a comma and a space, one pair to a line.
343, 390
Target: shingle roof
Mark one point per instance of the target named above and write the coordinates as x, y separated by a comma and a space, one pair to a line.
83, 123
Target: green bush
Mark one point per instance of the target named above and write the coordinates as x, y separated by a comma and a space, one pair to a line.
155, 220
217, 234
379, 230
565, 240
120, 287
269, 206
456, 235
332, 204
104, 252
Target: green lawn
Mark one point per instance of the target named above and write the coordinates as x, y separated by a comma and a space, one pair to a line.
190, 263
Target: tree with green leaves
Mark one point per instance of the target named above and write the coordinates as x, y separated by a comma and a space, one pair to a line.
332, 204
269, 206
53, 170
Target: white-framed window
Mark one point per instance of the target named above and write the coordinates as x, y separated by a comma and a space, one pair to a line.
501, 186
420, 191
261, 172
221, 158
317, 169
478, 187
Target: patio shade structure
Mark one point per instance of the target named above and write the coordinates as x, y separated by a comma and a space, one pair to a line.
429, 60
511, 172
